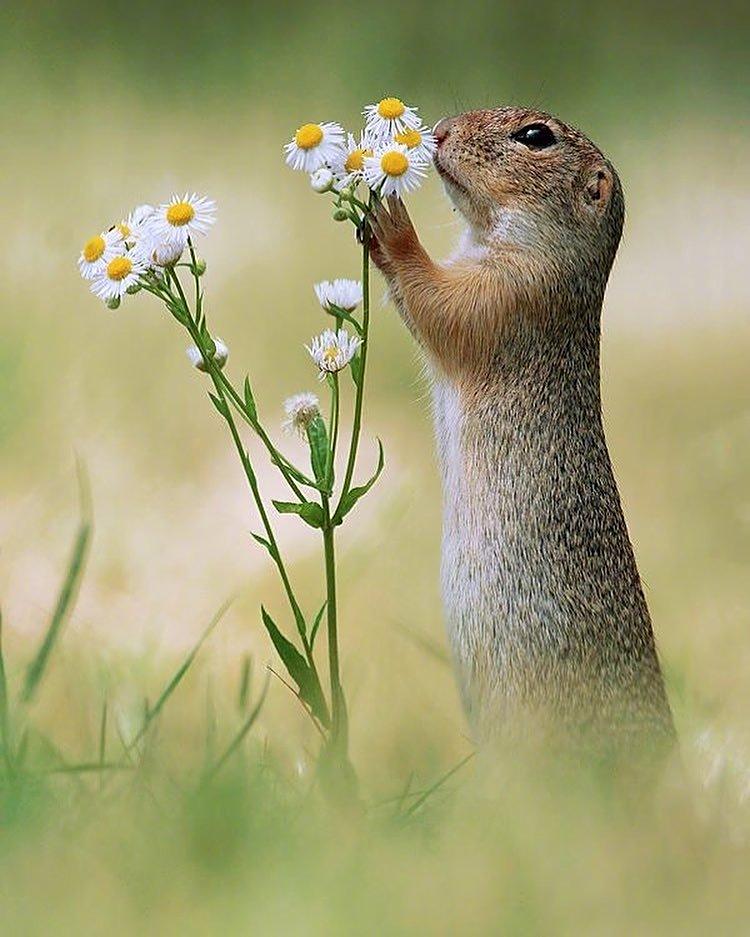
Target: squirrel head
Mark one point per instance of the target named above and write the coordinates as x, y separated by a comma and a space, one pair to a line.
526, 180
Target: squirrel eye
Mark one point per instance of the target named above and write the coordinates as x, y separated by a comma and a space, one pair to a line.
535, 136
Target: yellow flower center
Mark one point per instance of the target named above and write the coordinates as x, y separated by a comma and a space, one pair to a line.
119, 268
308, 136
410, 138
93, 248
330, 355
391, 108
394, 163
180, 214
123, 229
355, 161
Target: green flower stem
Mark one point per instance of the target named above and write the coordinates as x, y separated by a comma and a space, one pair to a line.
357, 422
334, 427
252, 480
339, 729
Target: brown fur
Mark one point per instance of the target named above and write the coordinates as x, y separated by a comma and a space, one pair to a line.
545, 609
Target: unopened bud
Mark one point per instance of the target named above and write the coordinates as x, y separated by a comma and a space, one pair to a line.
135, 288
113, 303
321, 180
340, 215
219, 357
199, 267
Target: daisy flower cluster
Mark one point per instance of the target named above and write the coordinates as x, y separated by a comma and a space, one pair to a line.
136, 250
391, 155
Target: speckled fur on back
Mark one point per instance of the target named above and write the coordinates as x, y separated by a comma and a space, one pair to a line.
545, 610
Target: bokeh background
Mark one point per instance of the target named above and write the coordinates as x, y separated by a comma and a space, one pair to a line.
107, 107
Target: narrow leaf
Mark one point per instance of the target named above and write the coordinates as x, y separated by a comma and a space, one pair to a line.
220, 405
299, 670
351, 497
339, 313
356, 369
310, 512
316, 624
317, 438
250, 407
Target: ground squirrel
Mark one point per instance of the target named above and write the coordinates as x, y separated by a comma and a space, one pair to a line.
545, 610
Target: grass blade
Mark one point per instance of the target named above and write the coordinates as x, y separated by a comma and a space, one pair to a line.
65, 598
437, 785
4, 710
154, 711
238, 739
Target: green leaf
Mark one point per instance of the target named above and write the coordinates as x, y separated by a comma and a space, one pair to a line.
317, 437
250, 407
356, 369
298, 669
354, 494
220, 405
310, 512
316, 624
339, 313
265, 543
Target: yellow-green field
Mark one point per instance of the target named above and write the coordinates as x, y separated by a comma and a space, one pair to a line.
93, 127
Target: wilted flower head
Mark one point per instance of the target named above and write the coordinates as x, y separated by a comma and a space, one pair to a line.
389, 117
98, 251
346, 294
394, 170
181, 218
332, 351
321, 180
301, 410
219, 356
122, 273
314, 145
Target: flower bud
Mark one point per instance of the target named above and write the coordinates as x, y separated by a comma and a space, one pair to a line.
135, 288
166, 253
340, 215
199, 267
219, 357
113, 303
321, 180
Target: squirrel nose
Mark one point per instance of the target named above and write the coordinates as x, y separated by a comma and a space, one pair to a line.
442, 129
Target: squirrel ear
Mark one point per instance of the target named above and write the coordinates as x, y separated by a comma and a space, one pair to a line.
597, 189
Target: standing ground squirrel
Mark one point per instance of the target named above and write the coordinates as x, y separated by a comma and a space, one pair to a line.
545, 610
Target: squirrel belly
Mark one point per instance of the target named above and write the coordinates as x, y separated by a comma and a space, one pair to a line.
544, 608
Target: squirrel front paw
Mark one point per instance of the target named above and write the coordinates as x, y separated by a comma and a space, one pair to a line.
393, 239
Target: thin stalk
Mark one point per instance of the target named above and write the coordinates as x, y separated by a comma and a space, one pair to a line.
252, 480
339, 732
359, 399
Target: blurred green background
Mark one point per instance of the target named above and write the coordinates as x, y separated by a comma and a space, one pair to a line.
105, 107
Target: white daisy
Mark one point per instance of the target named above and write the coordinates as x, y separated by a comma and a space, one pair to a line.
219, 357
98, 251
350, 160
301, 410
420, 142
137, 224
182, 217
346, 294
332, 351
394, 171
314, 145
389, 117
121, 273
